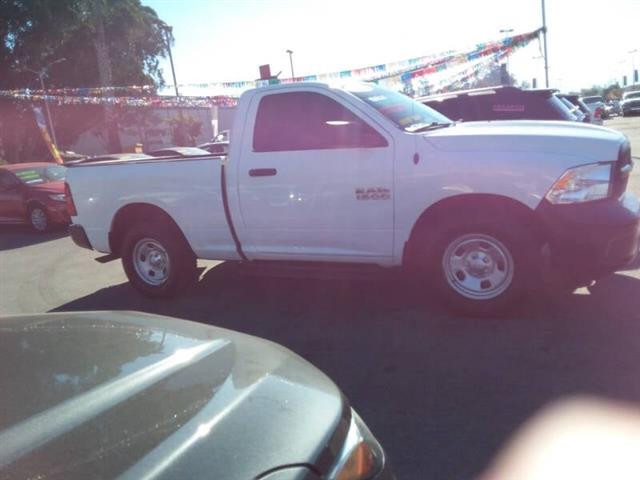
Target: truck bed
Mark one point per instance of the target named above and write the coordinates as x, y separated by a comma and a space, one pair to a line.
187, 189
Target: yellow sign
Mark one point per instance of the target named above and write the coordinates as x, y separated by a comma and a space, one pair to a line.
42, 125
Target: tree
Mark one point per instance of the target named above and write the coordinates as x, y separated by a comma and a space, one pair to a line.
145, 123
185, 130
613, 91
104, 43
594, 90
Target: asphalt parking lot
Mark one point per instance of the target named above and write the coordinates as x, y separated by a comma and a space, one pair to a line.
442, 393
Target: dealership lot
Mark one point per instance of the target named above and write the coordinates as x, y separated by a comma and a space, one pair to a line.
441, 392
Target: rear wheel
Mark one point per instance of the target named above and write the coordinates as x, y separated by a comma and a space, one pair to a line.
157, 259
38, 218
481, 269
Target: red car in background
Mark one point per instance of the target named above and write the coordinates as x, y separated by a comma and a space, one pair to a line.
33, 194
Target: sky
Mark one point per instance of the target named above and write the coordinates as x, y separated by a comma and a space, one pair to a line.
589, 41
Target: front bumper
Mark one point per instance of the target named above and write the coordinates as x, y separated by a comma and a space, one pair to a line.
592, 239
58, 213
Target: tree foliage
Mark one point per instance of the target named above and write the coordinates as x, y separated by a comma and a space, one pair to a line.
36, 32
127, 36
610, 92
185, 130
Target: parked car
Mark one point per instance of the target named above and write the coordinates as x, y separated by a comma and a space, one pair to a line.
612, 108
500, 103
596, 105
33, 194
216, 148
178, 152
630, 104
323, 174
587, 115
575, 110
219, 145
125, 156
131, 395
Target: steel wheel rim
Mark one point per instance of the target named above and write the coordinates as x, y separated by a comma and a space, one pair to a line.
38, 219
151, 261
478, 266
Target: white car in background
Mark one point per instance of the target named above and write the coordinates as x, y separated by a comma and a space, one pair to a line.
596, 105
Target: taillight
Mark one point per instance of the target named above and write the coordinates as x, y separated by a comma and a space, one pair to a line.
71, 207
598, 112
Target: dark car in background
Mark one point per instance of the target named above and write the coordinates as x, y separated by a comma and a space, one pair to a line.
500, 103
579, 106
133, 395
575, 110
630, 104
33, 194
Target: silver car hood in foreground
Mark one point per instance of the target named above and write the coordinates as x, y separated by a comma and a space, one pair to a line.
108, 394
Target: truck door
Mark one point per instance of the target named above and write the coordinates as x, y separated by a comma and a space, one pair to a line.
315, 180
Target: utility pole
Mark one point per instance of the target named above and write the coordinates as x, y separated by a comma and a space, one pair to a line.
546, 58
290, 52
41, 74
507, 31
167, 32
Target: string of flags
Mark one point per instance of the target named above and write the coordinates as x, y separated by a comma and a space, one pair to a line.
394, 74
128, 101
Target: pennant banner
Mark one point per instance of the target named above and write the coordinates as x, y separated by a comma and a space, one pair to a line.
394, 75
155, 101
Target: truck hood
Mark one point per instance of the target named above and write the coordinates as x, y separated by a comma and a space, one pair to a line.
588, 142
108, 394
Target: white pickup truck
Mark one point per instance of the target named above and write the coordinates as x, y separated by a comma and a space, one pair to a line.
358, 174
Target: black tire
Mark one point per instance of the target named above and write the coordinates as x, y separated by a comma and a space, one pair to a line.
522, 260
180, 269
38, 218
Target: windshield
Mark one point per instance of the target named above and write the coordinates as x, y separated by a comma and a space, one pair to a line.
406, 113
573, 109
564, 108
38, 175
592, 100
629, 96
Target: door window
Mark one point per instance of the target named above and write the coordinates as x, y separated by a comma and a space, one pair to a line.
7, 181
309, 121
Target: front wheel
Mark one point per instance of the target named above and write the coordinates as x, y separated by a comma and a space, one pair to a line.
157, 259
483, 270
38, 219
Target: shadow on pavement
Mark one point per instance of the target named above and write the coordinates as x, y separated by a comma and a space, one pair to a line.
17, 236
441, 392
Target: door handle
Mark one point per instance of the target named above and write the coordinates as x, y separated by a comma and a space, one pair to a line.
262, 172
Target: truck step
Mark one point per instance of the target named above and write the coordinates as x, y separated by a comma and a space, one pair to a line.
312, 270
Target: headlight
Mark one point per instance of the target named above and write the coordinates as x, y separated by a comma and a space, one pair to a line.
58, 197
361, 456
582, 184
